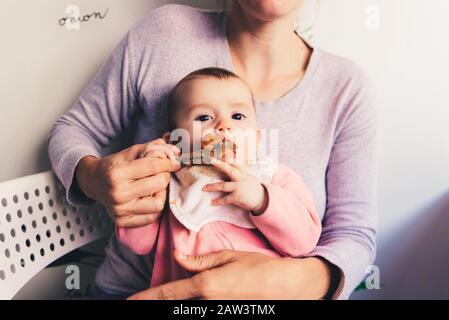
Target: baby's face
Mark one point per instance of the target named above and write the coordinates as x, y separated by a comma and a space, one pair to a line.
219, 105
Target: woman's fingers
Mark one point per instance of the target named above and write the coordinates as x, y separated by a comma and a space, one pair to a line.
220, 187
123, 182
129, 191
146, 167
141, 206
158, 141
161, 143
232, 172
167, 150
206, 262
140, 212
154, 153
135, 221
148, 186
190, 288
177, 290
154, 203
134, 151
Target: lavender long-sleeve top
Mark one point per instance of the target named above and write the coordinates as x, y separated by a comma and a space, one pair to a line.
326, 127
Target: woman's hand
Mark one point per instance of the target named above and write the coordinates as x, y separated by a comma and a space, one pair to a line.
243, 275
131, 184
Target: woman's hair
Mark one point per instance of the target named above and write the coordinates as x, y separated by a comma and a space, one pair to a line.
210, 72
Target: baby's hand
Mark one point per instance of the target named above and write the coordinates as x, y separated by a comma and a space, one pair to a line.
163, 151
244, 190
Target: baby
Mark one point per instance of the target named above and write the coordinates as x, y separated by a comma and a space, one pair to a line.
214, 201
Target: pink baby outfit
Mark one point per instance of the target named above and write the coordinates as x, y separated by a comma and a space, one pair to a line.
288, 227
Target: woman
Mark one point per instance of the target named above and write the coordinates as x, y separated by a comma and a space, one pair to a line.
320, 104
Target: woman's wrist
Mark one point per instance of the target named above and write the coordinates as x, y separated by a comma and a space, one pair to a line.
335, 278
84, 173
317, 277
328, 277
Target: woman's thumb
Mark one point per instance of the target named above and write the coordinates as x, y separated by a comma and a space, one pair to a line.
201, 263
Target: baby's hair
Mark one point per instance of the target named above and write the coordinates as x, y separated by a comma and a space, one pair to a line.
210, 72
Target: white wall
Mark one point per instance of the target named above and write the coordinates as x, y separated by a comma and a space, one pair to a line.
44, 67
407, 57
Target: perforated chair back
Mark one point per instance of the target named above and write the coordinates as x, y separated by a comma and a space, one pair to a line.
38, 226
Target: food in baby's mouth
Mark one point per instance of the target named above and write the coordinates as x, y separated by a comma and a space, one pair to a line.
212, 146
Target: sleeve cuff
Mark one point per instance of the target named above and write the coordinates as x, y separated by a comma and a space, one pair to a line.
352, 268
265, 217
68, 163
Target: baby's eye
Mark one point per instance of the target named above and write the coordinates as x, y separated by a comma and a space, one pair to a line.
238, 116
203, 117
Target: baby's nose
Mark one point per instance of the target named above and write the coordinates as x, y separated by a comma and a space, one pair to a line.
225, 131
225, 124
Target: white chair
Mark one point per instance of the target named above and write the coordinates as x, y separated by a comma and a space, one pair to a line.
38, 226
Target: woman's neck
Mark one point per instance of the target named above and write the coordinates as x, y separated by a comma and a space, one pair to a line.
262, 50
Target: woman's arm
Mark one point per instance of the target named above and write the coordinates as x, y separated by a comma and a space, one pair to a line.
103, 110
350, 222
259, 278
132, 189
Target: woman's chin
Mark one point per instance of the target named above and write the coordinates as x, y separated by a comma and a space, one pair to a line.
269, 10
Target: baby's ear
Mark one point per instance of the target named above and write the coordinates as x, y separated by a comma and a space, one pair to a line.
166, 137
